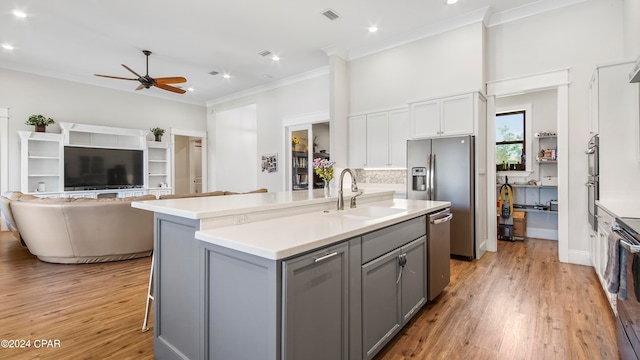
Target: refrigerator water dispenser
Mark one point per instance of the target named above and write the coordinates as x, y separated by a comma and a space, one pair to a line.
419, 175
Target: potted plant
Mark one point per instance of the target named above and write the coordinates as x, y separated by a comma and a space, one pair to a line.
157, 132
40, 122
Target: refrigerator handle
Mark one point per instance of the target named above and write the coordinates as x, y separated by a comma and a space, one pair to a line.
428, 177
432, 170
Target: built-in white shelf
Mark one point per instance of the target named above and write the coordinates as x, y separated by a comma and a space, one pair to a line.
42, 158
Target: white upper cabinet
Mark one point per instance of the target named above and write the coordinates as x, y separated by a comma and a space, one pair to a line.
379, 140
357, 141
399, 133
447, 116
593, 104
425, 118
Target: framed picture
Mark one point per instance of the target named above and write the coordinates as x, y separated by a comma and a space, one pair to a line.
270, 163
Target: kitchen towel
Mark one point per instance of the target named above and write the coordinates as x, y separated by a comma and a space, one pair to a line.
615, 273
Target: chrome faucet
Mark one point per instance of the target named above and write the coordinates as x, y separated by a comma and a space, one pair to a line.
354, 188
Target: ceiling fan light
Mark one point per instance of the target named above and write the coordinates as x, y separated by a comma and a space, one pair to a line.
191, 89
373, 29
451, 2
226, 76
275, 58
7, 46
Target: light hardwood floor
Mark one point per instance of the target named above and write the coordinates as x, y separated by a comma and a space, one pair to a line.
518, 303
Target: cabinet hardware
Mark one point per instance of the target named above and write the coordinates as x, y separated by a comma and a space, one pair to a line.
442, 220
325, 257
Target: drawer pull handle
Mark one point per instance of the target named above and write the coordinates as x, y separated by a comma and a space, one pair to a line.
442, 220
325, 257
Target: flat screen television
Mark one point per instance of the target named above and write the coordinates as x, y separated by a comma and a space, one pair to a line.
98, 168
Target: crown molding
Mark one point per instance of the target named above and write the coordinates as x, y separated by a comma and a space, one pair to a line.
524, 11
272, 85
421, 33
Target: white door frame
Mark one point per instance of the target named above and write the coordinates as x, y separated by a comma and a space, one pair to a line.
4, 156
558, 80
190, 133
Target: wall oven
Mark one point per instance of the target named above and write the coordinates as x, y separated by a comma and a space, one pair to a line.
628, 321
593, 184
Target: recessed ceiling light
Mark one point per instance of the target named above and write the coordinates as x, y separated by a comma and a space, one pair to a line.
373, 29
7, 46
19, 14
226, 76
451, 1
275, 58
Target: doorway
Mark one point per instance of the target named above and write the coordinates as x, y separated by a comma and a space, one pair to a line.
307, 142
558, 80
189, 161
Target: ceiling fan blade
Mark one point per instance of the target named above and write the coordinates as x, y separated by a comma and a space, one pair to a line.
170, 80
128, 68
170, 88
140, 87
114, 77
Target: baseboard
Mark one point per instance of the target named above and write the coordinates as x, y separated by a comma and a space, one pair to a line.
580, 257
540, 233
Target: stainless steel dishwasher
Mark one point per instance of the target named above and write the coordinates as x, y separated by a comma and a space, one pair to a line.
438, 252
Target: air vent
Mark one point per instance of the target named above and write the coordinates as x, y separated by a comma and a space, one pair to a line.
264, 53
330, 14
214, 73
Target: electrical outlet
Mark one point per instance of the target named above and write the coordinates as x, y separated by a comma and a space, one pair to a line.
241, 219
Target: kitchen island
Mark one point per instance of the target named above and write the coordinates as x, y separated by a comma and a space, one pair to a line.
285, 276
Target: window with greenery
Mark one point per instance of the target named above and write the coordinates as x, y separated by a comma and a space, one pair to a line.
510, 140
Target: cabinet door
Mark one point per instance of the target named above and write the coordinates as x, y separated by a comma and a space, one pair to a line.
381, 318
593, 104
457, 115
378, 140
357, 141
315, 305
425, 118
413, 277
399, 133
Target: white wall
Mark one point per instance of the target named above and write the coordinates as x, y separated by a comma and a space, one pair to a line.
576, 37
64, 101
631, 28
444, 64
272, 106
236, 162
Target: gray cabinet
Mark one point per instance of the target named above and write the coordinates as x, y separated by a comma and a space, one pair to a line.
315, 305
393, 289
394, 281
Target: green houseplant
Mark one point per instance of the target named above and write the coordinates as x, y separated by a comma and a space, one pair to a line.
40, 122
157, 132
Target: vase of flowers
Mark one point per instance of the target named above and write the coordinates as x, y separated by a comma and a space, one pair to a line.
324, 169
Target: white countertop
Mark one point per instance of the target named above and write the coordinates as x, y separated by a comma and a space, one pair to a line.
287, 236
621, 208
211, 206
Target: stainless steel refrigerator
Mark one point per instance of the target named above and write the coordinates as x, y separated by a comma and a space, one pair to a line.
444, 169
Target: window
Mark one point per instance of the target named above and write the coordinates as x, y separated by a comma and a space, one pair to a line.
510, 140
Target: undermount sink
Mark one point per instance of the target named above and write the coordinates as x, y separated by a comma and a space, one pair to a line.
366, 212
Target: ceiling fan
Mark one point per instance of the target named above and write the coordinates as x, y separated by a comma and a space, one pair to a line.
147, 81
